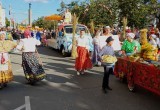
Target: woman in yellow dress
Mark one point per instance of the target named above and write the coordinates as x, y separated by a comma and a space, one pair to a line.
5, 64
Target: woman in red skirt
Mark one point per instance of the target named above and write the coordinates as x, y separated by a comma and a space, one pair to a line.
83, 62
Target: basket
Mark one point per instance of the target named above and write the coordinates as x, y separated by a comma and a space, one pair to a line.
108, 64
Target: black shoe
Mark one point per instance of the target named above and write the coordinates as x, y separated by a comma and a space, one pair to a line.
109, 88
104, 91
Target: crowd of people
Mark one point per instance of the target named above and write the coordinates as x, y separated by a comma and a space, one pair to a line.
41, 35
103, 41
27, 40
31, 61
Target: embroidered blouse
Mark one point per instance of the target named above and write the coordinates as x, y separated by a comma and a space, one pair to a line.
7, 45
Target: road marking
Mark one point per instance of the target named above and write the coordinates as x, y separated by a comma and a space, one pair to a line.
27, 104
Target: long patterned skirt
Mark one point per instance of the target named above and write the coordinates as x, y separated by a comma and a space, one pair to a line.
6, 74
33, 70
83, 62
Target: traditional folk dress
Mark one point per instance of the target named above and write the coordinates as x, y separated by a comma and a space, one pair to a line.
6, 74
83, 62
129, 47
95, 57
30, 60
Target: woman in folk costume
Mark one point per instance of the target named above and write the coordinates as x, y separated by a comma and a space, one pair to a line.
106, 34
130, 46
30, 58
96, 44
83, 61
5, 64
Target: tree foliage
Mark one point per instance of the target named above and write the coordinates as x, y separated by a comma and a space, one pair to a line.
102, 12
139, 13
7, 22
42, 23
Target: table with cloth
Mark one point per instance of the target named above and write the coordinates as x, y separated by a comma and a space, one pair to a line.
143, 75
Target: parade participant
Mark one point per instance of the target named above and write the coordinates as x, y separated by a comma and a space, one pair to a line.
130, 46
83, 61
106, 34
153, 40
157, 33
108, 69
96, 44
67, 16
5, 64
30, 58
38, 35
15, 36
8, 35
44, 40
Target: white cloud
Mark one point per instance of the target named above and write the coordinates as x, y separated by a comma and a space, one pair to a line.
43, 1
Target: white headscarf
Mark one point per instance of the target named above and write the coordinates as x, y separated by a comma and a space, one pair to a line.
131, 35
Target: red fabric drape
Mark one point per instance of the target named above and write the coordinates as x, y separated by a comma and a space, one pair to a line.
146, 76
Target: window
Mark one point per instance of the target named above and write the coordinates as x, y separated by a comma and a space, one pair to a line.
69, 29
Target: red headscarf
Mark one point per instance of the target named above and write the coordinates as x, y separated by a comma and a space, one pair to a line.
128, 31
152, 31
27, 33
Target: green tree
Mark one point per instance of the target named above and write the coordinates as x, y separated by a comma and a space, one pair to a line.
7, 22
100, 11
62, 8
138, 12
42, 23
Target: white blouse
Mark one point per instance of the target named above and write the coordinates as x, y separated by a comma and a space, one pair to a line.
82, 42
28, 44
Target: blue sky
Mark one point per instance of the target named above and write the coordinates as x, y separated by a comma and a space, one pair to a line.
39, 8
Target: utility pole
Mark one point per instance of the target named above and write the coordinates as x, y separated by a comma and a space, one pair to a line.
30, 15
10, 15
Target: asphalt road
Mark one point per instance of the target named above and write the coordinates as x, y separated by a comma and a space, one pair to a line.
64, 90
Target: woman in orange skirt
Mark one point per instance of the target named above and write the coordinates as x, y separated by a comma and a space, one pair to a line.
83, 62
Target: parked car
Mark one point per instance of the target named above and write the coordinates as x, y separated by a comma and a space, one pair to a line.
63, 42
